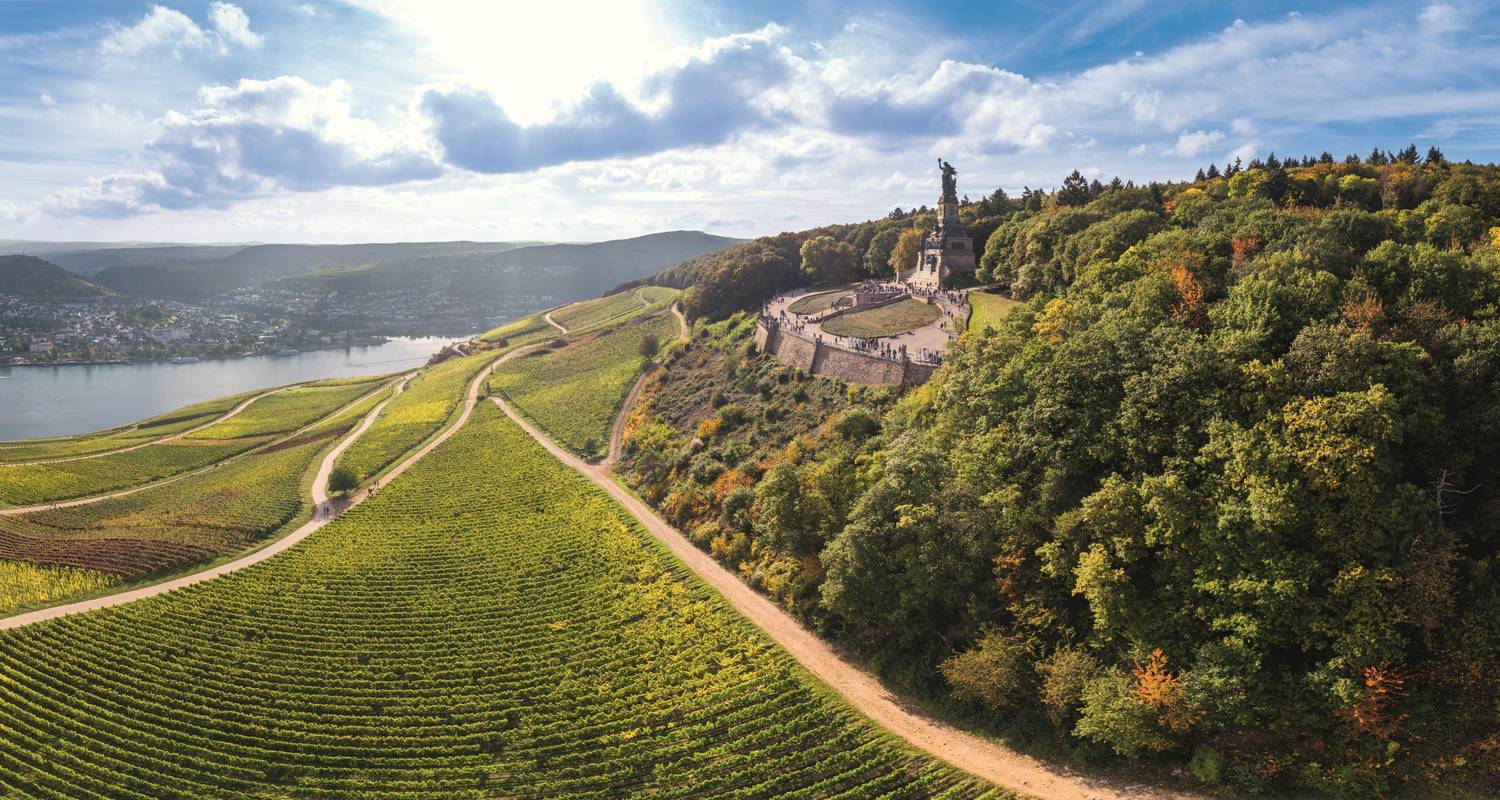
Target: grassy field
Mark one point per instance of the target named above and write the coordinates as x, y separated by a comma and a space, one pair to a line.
489, 625
989, 309
574, 393
430, 401
815, 302
262, 422
899, 317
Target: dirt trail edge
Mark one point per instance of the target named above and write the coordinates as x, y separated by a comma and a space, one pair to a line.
970, 753
554, 323
326, 510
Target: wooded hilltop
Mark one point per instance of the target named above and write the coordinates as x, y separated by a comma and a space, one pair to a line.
1223, 495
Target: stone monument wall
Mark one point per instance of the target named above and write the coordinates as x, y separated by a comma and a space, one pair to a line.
846, 365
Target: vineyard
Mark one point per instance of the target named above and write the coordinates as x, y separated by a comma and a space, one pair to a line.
512, 636
574, 392
260, 423
23, 585
591, 314
169, 424
526, 329
214, 513
430, 401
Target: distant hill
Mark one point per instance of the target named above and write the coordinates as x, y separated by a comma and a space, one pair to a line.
193, 272
564, 270
28, 276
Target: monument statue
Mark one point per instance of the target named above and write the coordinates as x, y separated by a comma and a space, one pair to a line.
950, 183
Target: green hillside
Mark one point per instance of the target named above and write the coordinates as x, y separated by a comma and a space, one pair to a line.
1222, 492
573, 271
27, 276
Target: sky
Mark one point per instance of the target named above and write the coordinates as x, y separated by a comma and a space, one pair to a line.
407, 120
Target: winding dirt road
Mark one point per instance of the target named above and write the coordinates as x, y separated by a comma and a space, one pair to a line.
554, 323
228, 414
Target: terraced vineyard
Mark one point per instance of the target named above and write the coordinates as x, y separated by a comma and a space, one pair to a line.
574, 392
168, 424
430, 401
589, 314
260, 423
508, 636
531, 328
217, 512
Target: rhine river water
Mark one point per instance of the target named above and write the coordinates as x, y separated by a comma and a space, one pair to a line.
55, 401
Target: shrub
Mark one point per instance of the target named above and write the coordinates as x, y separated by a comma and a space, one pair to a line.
1114, 715
1207, 765
1064, 675
996, 672
342, 480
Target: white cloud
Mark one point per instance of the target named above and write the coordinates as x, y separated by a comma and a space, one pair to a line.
1191, 143
254, 139
165, 29
161, 28
1242, 126
232, 25
306, 9
1138, 151
718, 92
1441, 18
47, 100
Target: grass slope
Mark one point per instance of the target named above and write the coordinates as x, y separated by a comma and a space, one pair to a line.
989, 309
818, 301
898, 317
574, 392
490, 625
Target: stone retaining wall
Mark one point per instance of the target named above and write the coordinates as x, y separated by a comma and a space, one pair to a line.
851, 366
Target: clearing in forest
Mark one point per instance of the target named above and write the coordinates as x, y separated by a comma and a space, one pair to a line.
989, 309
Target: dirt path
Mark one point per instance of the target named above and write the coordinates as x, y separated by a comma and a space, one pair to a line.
554, 323
617, 430
237, 409
83, 501
970, 753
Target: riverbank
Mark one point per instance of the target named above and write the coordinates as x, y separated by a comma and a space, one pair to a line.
374, 341
78, 398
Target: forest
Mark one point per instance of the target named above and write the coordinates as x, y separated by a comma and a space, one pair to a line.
1221, 496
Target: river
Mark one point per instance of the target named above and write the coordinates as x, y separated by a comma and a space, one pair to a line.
56, 401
